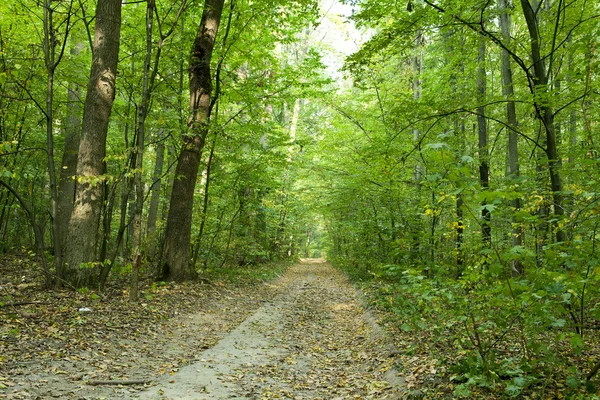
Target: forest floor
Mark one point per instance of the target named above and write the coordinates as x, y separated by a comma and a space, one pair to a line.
303, 335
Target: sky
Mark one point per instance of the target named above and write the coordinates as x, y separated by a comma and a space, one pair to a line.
338, 35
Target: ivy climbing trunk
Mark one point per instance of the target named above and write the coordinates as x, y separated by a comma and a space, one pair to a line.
176, 257
85, 219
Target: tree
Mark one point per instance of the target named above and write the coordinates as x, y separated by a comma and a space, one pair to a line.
482, 134
512, 170
538, 83
83, 232
176, 257
68, 170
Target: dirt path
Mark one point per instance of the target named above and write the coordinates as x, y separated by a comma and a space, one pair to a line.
302, 336
312, 341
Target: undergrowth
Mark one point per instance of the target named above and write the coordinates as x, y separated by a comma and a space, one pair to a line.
245, 274
489, 335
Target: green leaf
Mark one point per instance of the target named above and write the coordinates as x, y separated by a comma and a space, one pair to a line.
559, 323
512, 390
462, 391
577, 343
572, 382
436, 146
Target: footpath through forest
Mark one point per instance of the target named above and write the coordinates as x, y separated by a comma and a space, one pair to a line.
313, 341
309, 339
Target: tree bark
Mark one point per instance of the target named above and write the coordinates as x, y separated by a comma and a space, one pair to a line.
85, 219
417, 80
176, 259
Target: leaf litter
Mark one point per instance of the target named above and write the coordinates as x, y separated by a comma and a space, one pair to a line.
303, 336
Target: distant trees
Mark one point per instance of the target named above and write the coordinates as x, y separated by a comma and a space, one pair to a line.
481, 89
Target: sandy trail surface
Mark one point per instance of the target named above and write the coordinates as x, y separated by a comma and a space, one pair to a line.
312, 341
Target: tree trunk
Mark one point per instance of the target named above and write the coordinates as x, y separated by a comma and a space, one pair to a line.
484, 169
84, 223
156, 186
417, 70
139, 163
544, 112
512, 172
460, 227
66, 186
198, 240
176, 260
51, 60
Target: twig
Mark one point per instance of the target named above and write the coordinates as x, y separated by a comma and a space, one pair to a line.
21, 303
593, 372
117, 382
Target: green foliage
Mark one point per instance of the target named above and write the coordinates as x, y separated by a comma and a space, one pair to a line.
245, 275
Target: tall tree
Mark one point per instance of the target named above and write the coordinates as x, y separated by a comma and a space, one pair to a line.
543, 109
52, 58
156, 185
176, 257
66, 184
482, 133
85, 219
512, 170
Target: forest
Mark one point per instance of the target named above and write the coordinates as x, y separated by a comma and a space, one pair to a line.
445, 164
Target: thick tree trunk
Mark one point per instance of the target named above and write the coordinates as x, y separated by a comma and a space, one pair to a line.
176, 260
85, 219
512, 171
